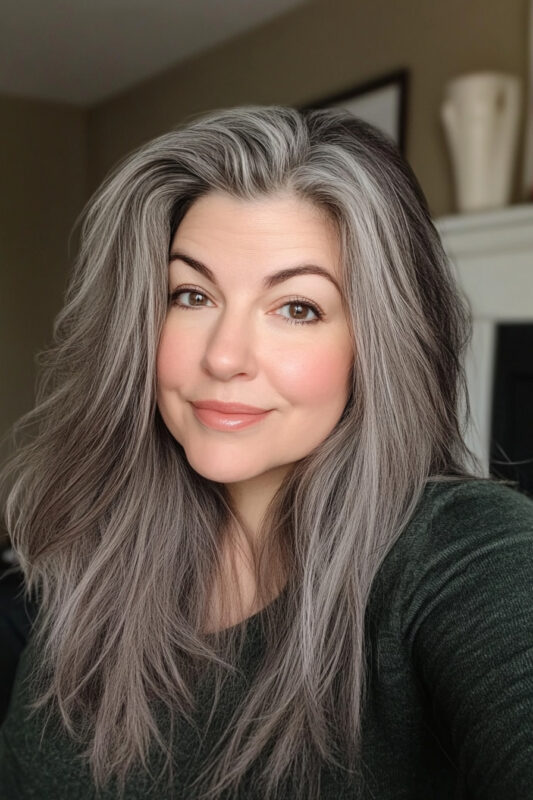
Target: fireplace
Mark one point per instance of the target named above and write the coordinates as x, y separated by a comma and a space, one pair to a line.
492, 257
512, 405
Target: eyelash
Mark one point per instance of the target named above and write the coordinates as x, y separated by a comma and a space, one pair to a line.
300, 300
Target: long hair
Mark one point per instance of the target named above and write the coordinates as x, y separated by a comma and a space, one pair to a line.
119, 538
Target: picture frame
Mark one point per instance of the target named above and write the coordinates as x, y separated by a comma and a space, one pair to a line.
527, 187
381, 102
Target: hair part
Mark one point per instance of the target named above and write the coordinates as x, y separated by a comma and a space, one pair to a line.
120, 539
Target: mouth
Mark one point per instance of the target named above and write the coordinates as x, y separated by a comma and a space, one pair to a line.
224, 421
229, 408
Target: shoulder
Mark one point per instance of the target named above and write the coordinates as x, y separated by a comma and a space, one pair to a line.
466, 617
458, 515
475, 501
469, 543
17, 615
463, 537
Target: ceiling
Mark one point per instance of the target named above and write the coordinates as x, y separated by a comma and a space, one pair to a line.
85, 51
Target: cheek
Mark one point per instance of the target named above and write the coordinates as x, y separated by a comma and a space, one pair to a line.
171, 358
316, 376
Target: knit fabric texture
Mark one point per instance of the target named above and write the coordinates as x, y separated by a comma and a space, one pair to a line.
448, 713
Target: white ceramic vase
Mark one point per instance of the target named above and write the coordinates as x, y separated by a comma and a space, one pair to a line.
481, 116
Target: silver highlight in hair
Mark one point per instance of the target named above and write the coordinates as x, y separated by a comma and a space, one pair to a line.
120, 539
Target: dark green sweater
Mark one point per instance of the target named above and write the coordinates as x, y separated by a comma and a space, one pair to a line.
449, 711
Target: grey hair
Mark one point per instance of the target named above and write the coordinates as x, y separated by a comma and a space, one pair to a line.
120, 539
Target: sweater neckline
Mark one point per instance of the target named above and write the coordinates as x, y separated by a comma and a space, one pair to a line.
254, 619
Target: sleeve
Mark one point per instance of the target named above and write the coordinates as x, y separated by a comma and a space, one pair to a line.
470, 627
16, 617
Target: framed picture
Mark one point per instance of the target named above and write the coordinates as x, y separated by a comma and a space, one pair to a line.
382, 102
528, 143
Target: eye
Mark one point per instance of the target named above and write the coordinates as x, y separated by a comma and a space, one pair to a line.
185, 290
299, 302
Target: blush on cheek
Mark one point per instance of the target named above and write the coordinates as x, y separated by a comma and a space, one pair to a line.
162, 363
168, 357
317, 379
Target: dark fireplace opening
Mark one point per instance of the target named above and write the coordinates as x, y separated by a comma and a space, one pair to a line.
511, 445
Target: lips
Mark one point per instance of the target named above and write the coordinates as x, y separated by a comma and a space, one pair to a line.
226, 421
228, 408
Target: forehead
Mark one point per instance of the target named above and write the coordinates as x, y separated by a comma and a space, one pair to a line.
275, 237
280, 221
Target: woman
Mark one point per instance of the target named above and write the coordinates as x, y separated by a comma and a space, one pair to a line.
318, 599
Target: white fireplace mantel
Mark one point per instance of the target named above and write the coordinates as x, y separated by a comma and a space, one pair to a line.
491, 255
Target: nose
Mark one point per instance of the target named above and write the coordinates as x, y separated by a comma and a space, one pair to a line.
230, 347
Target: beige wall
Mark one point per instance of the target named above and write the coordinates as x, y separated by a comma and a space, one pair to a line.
43, 153
322, 48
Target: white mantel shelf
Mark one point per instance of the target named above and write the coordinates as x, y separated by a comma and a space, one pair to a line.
491, 255
507, 222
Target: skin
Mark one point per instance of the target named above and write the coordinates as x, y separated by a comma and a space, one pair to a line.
234, 343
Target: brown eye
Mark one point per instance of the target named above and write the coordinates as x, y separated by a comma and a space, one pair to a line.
303, 307
195, 295
302, 312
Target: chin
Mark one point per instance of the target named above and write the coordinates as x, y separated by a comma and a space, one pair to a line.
221, 473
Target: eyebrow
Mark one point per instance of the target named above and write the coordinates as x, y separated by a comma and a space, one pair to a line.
270, 280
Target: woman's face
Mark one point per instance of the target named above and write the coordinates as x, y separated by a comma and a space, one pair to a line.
236, 337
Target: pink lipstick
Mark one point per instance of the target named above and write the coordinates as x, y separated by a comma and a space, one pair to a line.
227, 416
